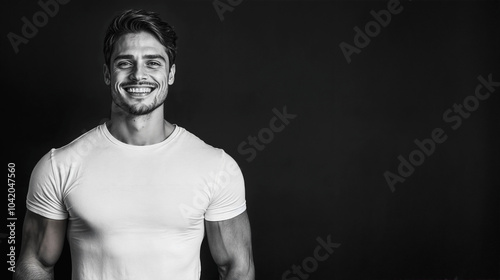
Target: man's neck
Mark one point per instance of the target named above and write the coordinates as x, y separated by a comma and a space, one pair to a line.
139, 130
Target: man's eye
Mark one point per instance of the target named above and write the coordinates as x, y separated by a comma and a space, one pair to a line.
124, 64
154, 64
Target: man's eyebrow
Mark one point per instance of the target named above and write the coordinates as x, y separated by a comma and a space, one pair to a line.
154, 56
147, 56
123, 56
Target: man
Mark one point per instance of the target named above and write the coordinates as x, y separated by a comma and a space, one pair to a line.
136, 194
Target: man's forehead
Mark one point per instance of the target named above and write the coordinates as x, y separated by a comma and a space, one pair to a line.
141, 43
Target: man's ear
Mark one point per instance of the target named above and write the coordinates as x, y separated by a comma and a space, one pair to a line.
171, 75
107, 74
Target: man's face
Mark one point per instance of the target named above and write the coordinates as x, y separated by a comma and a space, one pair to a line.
139, 73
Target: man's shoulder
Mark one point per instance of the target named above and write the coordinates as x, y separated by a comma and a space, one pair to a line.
194, 145
80, 147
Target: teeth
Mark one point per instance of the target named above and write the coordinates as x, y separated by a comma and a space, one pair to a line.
139, 90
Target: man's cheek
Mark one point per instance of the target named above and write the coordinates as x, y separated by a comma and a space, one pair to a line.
163, 85
116, 87
119, 74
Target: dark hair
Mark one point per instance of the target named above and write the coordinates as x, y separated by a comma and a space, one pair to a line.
134, 21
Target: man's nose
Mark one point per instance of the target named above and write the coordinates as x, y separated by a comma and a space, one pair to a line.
138, 74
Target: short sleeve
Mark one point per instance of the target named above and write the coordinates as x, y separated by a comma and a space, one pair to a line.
45, 192
228, 192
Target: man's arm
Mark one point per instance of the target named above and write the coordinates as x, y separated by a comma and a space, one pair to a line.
43, 241
231, 247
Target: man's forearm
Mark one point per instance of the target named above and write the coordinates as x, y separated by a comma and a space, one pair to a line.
30, 271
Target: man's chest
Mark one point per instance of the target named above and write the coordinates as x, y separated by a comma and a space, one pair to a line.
134, 197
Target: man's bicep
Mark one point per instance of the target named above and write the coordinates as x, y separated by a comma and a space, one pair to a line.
43, 239
230, 241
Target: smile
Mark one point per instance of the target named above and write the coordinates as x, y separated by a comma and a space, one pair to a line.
138, 89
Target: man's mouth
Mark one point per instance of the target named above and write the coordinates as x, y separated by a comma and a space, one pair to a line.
139, 90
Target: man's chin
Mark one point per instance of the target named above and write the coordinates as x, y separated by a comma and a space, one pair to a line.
140, 109
137, 106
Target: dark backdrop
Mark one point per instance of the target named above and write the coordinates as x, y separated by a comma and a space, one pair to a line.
323, 174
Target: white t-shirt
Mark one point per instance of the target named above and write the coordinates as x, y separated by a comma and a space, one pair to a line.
136, 212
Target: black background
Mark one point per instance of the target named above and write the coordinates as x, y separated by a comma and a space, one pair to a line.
323, 174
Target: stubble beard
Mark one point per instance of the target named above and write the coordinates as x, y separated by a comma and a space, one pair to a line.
139, 109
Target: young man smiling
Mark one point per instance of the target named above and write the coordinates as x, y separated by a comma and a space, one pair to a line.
117, 190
